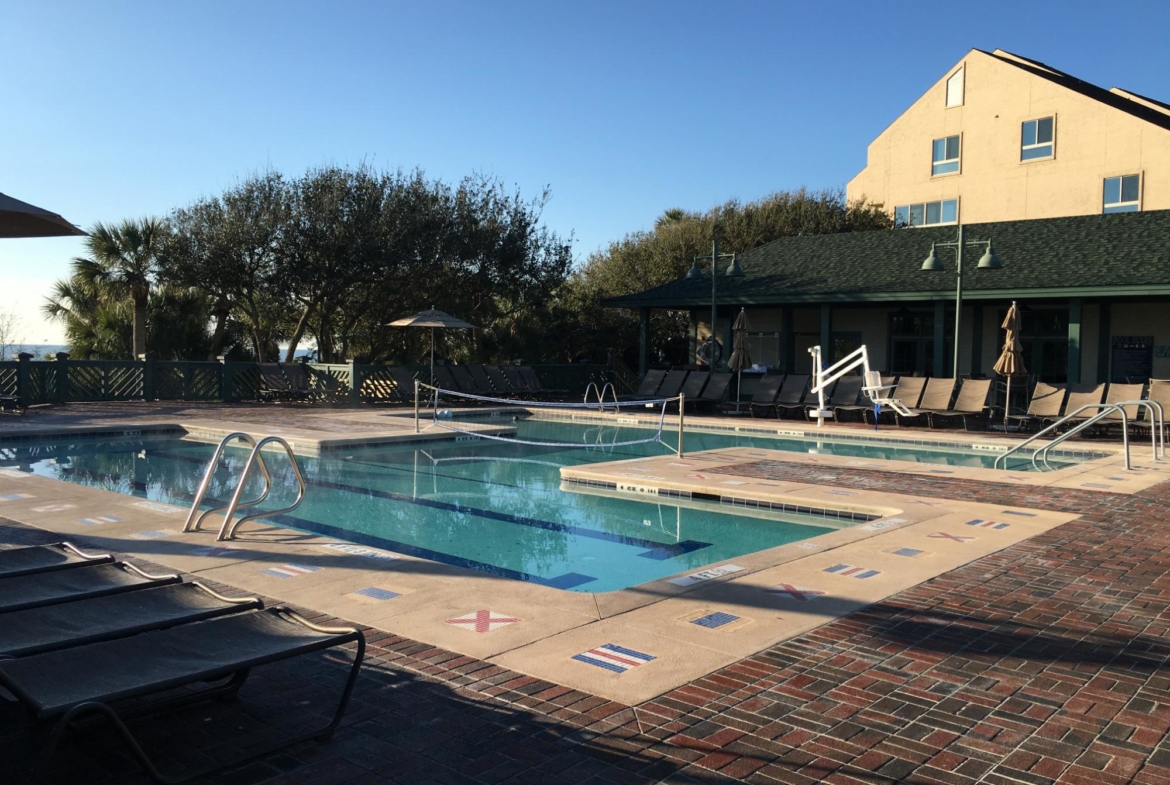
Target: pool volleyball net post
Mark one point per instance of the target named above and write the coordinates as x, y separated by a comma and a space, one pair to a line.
625, 430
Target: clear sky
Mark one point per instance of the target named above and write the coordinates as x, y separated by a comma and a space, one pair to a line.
625, 108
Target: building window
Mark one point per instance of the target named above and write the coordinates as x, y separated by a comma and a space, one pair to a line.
945, 156
1036, 139
1123, 194
955, 89
928, 213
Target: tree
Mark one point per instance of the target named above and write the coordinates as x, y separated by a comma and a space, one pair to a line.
125, 260
643, 260
11, 341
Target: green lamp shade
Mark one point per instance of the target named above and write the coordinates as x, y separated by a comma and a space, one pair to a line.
932, 262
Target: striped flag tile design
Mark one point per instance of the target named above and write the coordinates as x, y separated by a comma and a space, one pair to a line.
849, 571
54, 508
15, 497
715, 620
482, 621
982, 524
614, 658
910, 553
289, 570
376, 593
98, 520
951, 537
795, 592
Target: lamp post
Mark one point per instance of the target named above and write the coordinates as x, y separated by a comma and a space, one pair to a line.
989, 261
733, 271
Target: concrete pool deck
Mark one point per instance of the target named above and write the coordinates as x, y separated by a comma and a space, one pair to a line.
656, 622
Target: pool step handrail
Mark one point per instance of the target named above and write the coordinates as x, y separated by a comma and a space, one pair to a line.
227, 531
193, 523
601, 395
1157, 432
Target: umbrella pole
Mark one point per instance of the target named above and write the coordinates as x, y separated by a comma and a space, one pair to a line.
738, 390
1007, 405
432, 357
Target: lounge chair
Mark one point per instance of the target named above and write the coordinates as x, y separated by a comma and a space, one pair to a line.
404, 384
865, 404
1158, 392
516, 381
274, 385
1079, 395
764, 397
936, 398
482, 382
648, 386
1124, 392
15, 562
844, 394
38, 630
211, 657
671, 384
908, 392
792, 393
693, 387
713, 393
12, 403
1047, 400
499, 381
299, 382
532, 381
970, 405
464, 380
445, 380
91, 580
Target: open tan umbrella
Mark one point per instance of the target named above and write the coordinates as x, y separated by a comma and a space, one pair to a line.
1011, 359
21, 219
432, 319
740, 359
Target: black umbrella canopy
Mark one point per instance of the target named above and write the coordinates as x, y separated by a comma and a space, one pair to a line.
432, 318
21, 219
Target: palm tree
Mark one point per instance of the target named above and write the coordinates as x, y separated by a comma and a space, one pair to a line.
124, 260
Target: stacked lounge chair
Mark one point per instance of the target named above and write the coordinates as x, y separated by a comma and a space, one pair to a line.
792, 393
970, 405
936, 398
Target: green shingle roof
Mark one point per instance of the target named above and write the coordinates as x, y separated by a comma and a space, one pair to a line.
1124, 254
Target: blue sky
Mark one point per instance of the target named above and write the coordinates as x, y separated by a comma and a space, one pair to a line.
123, 109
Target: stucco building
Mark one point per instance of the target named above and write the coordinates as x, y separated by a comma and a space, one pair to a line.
1071, 182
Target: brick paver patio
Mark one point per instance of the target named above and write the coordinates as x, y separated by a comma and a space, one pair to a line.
1042, 663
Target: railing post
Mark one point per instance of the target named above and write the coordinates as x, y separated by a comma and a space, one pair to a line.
62, 367
147, 375
355, 381
24, 378
682, 411
416, 405
227, 383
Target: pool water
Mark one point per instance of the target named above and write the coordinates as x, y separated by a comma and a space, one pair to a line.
496, 507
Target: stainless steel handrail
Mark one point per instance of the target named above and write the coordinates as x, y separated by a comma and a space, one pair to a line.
192, 523
227, 531
1157, 426
601, 395
1041, 433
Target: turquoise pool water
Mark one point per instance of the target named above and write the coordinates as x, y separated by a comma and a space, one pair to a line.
492, 506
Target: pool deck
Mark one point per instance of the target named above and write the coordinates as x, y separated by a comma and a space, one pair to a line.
801, 681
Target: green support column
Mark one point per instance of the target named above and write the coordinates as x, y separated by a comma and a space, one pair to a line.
1104, 339
644, 341
1074, 340
940, 338
789, 339
355, 380
827, 334
976, 340
727, 347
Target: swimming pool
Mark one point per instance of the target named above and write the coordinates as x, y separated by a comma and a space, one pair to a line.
496, 507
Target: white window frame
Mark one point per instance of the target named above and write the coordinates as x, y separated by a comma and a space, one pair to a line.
961, 72
958, 160
923, 205
1136, 203
1024, 147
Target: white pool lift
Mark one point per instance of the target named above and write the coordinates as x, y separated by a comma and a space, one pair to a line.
873, 388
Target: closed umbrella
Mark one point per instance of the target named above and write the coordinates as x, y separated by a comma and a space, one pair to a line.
740, 358
21, 219
432, 319
1011, 359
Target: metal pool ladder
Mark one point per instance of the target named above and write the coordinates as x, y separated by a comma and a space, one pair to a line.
1156, 422
227, 530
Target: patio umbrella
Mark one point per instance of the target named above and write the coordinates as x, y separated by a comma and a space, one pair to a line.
20, 219
740, 358
433, 319
1011, 359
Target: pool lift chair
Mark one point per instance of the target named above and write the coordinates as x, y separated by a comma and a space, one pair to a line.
823, 379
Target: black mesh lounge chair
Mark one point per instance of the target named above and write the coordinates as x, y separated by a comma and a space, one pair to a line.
693, 387
299, 383
908, 391
936, 398
445, 379
648, 386
970, 405
530, 378
404, 383
671, 384
12, 403
91, 580
844, 394
1046, 403
463, 379
713, 393
499, 381
792, 393
37, 630
46, 558
212, 657
864, 404
765, 394
482, 382
273, 384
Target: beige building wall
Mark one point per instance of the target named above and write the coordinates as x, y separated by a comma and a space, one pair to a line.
1092, 141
